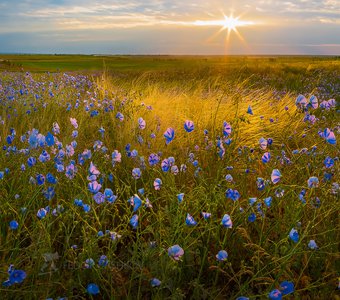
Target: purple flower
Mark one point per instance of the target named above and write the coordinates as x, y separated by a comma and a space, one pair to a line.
276, 176
94, 187
157, 184
189, 126
169, 135
136, 173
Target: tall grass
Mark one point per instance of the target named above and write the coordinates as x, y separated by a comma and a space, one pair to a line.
260, 253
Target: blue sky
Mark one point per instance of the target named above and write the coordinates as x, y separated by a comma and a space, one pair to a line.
169, 27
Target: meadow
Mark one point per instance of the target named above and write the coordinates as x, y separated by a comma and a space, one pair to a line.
166, 177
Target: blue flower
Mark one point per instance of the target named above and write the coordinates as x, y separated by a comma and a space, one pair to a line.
263, 143
287, 287
155, 282
313, 102
42, 212
15, 276
329, 162
301, 102
206, 215
93, 289
49, 139
190, 221
153, 159
249, 110
136, 202
157, 184
50, 178
313, 182
312, 245
13, 225
252, 217
136, 173
232, 194
169, 135
222, 255
175, 252
266, 157
226, 129
268, 201
134, 221
103, 261
99, 198
275, 295
189, 126
165, 165
329, 136
294, 235
180, 197
108, 194
141, 123
229, 178
276, 176
226, 221
89, 263
86, 208
94, 187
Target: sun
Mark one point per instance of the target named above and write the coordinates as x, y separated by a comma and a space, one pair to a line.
229, 23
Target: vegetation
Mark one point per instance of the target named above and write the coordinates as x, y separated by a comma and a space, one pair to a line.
124, 177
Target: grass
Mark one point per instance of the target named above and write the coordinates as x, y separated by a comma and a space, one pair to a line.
207, 91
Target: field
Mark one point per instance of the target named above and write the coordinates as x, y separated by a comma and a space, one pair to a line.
167, 177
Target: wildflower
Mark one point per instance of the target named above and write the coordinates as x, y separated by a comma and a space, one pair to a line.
313, 182
180, 197
136, 173
275, 295
226, 129
103, 261
250, 110
294, 235
232, 194
13, 225
157, 184
266, 157
169, 135
189, 126
155, 282
190, 221
312, 245
205, 215
15, 276
134, 221
222, 255
287, 287
92, 289
226, 221
276, 176
263, 143
136, 202
94, 187
175, 252
141, 123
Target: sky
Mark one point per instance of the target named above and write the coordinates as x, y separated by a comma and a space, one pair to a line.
170, 27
